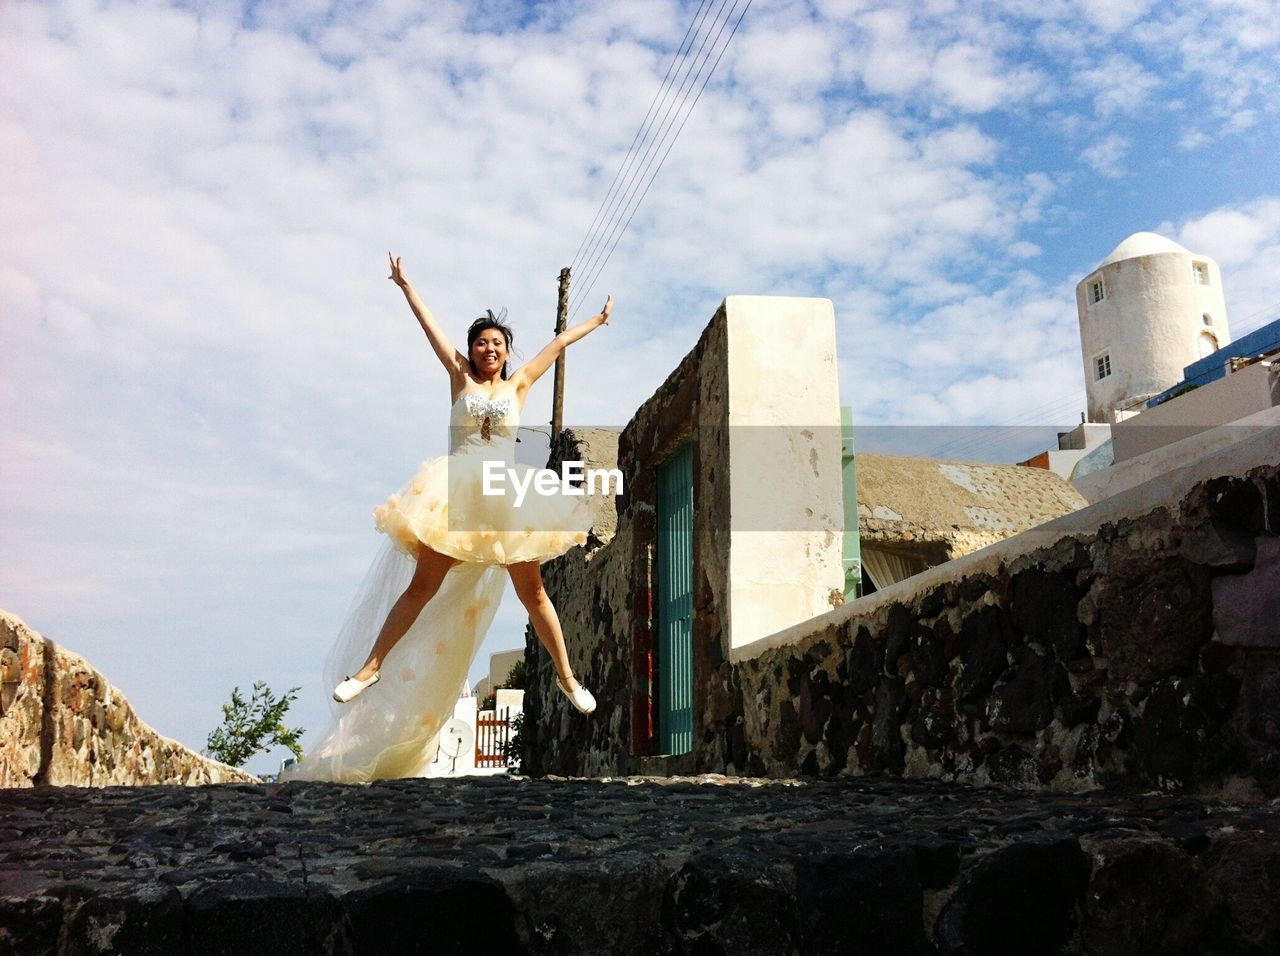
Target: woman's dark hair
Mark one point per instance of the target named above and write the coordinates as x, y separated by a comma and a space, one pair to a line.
483, 324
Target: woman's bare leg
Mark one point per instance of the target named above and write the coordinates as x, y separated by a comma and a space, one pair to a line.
527, 578
430, 572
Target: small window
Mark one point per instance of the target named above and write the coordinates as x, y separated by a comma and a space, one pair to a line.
1097, 292
1208, 319
1208, 344
1201, 272
1102, 366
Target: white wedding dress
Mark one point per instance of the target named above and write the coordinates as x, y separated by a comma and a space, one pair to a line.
391, 729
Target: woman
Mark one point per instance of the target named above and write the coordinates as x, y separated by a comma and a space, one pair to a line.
454, 537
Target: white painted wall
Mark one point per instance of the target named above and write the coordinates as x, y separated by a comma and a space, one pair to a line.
1063, 463
1259, 432
1240, 394
500, 664
508, 699
1248, 444
1150, 321
464, 745
785, 499
1074, 445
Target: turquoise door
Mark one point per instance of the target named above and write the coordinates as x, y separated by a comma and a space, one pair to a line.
675, 603
849, 483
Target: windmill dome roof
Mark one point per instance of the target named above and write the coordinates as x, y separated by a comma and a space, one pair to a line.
1142, 244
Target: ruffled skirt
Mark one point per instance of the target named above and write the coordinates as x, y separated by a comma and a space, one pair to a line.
393, 728
445, 506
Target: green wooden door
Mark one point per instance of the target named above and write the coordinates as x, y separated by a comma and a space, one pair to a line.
675, 603
849, 484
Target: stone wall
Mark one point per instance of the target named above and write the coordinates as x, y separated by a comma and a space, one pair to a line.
1119, 658
753, 424
501, 865
1133, 645
602, 593
62, 723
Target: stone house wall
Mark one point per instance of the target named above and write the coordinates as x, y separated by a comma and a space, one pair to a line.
1134, 644
63, 723
1136, 656
604, 595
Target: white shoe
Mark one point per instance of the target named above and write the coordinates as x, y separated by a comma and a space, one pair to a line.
351, 687
580, 697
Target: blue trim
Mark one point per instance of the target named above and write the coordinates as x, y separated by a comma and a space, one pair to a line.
675, 602
1213, 367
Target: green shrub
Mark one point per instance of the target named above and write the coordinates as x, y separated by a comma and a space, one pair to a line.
251, 727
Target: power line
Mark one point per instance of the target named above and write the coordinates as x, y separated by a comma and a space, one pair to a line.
635, 208
1273, 307
599, 257
590, 282
1272, 312
622, 198
617, 200
1024, 419
993, 435
680, 51
592, 238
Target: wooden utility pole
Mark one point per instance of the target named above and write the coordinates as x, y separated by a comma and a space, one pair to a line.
557, 400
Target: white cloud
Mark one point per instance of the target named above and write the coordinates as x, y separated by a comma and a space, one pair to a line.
965, 145
1235, 236
1119, 85
1114, 15
900, 57
1231, 52
785, 60
893, 59
1039, 189
216, 382
1106, 155
970, 78
1245, 241
1241, 120
1193, 139
837, 10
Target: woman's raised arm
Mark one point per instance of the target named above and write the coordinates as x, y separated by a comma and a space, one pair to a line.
450, 358
532, 370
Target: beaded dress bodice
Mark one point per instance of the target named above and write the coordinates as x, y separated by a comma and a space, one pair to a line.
485, 424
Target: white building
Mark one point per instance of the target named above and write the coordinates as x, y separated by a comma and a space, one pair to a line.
1150, 309
471, 743
500, 666
456, 745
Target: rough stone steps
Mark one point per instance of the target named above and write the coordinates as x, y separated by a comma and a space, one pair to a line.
632, 865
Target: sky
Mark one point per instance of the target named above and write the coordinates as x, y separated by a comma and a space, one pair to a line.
207, 382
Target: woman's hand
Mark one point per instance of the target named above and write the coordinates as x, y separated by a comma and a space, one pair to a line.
532, 370
397, 274
450, 357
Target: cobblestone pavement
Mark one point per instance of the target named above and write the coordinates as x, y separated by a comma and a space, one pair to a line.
632, 865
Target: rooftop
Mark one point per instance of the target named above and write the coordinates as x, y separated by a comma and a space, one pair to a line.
1142, 244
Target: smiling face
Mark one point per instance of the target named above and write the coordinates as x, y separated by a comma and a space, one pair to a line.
489, 353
